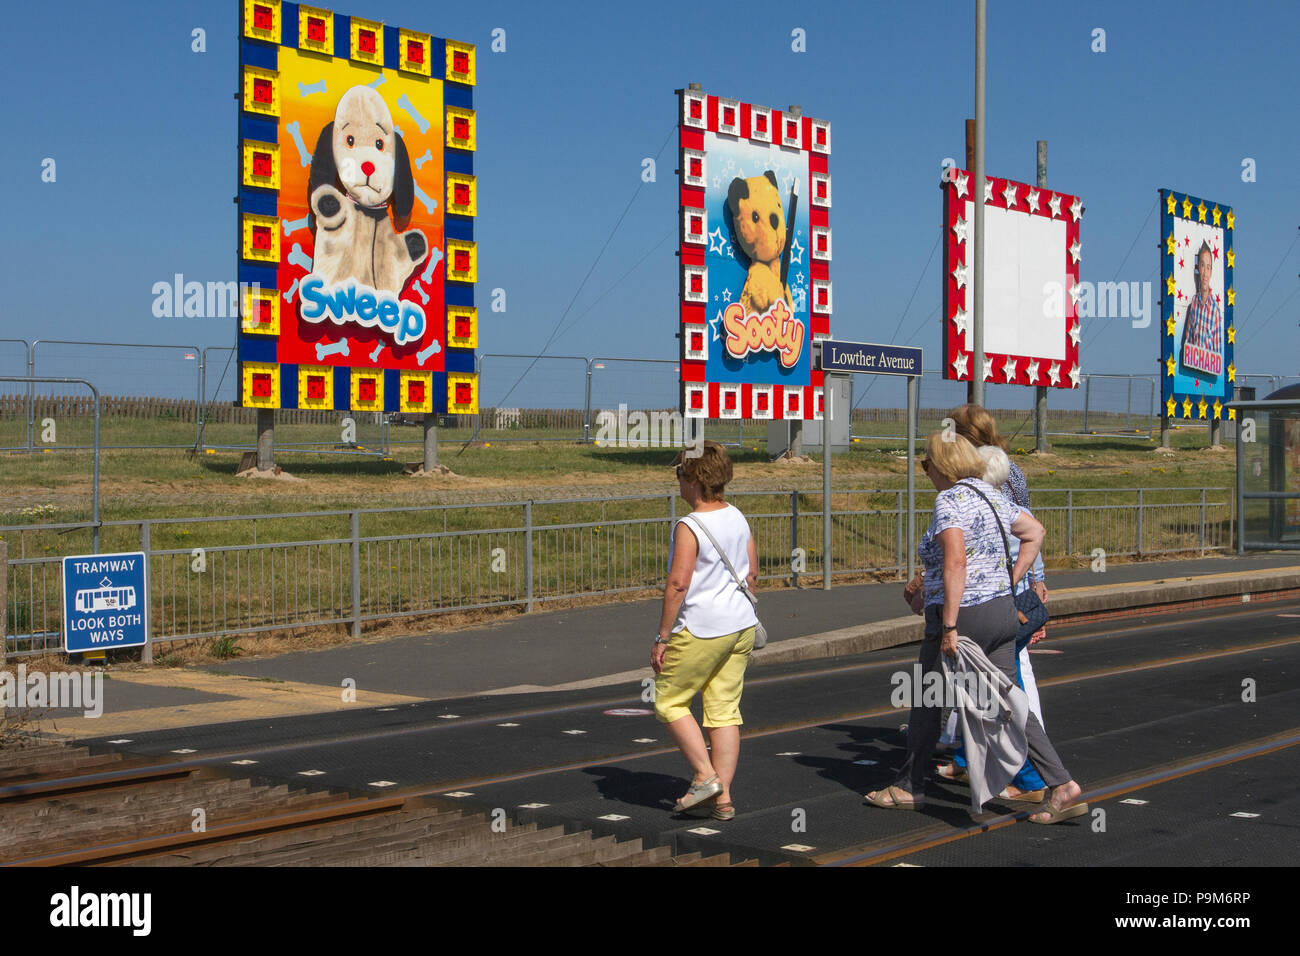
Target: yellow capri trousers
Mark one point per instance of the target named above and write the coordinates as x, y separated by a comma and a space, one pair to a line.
712, 667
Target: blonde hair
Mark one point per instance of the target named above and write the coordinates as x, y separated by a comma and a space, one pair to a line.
977, 426
953, 456
711, 468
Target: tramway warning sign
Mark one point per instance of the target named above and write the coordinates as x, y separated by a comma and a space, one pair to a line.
105, 601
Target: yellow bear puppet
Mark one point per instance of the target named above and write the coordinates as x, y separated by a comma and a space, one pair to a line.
758, 231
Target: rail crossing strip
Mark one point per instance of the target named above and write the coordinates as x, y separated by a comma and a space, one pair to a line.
875, 854
427, 796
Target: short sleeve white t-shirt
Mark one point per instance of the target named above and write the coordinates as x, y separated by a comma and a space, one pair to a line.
714, 605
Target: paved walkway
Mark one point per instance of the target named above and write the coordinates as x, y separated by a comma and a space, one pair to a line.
558, 649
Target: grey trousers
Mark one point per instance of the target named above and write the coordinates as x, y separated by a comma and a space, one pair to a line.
992, 626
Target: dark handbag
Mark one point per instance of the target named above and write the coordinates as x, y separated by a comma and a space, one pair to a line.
1029, 607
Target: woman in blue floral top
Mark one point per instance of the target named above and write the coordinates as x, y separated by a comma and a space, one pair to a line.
966, 590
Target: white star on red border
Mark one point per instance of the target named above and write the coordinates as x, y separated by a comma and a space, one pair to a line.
1054, 204
1009, 194
1009, 369
959, 364
1054, 373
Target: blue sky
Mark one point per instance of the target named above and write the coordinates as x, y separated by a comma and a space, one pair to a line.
143, 133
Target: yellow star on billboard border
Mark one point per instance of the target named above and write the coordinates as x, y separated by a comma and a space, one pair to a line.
1201, 408
1232, 372
1170, 284
1232, 259
1171, 244
1187, 408
1232, 296
1201, 210
1169, 365
1232, 334
1170, 203
1170, 325
1169, 408
1231, 218
1232, 414
1216, 213
1187, 208
1218, 409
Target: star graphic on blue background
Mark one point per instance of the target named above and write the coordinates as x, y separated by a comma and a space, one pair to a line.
713, 324
721, 245
726, 295
796, 252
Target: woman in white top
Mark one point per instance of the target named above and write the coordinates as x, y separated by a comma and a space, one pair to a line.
706, 632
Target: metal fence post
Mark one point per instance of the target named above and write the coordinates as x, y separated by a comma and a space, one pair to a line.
902, 549
31, 396
1069, 521
528, 553
356, 574
95, 478
586, 406
1202, 522
794, 537
1139, 535
1087, 381
146, 653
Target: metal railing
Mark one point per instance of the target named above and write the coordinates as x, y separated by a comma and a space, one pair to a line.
243, 574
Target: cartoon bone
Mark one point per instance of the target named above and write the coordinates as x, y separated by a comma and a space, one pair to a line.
297, 224
433, 349
424, 296
428, 155
338, 348
429, 202
299, 258
377, 82
374, 356
317, 87
294, 130
288, 296
435, 256
405, 103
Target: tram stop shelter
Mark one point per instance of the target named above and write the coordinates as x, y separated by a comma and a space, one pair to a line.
1268, 472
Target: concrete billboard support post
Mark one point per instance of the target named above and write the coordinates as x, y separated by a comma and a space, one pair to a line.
265, 439
430, 443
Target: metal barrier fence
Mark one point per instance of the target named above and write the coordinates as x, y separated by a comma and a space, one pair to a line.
533, 398
248, 573
66, 419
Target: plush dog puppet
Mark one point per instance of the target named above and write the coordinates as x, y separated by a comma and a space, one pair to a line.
758, 231
358, 170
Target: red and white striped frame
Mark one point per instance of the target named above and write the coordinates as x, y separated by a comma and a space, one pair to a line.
958, 333
700, 113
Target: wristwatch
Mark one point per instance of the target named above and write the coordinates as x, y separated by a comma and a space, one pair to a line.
949, 627
663, 640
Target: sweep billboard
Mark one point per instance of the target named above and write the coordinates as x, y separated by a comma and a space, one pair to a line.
755, 197
356, 214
